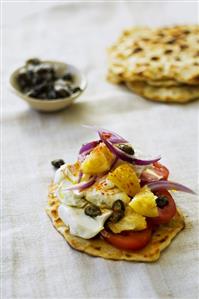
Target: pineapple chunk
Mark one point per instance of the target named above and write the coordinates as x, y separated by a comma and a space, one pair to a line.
125, 178
144, 203
131, 221
98, 161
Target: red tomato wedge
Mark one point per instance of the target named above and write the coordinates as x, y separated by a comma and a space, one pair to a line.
128, 240
167, 212
155, 173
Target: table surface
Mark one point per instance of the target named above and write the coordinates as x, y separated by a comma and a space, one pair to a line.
37, 262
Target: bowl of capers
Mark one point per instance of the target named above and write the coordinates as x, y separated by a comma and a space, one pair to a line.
48, 85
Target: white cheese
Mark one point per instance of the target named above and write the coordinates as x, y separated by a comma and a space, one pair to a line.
72, 198
80, 224
59, 174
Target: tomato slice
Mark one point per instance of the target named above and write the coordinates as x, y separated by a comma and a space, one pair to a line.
161, 170
128, 240
155, 173
167, 212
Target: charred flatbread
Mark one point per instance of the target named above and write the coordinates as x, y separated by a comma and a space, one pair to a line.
166, 56
178, 94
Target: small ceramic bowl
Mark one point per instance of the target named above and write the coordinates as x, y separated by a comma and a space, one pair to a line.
57, 104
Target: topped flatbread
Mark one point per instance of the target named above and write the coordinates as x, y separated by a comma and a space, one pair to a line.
111, 203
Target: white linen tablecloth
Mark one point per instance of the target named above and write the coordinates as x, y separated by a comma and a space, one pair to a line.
37, 262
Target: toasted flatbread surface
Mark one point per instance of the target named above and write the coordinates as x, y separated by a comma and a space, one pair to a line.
165, 56
178, 94
98, 247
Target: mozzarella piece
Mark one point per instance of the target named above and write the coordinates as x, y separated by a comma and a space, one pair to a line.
59, 174
72, 198
80, 224
105, 197
67, 172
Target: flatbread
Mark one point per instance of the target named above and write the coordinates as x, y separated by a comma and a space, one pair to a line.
178, 94
168, 56
116, 79
99, 248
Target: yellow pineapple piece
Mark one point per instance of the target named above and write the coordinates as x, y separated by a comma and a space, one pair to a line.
144, 203
98, 161
130, 221
125, 178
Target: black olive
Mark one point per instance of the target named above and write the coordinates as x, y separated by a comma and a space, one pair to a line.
42, 87
116, 216
57, 163
126, 148
62, 93
76, 89
162, 201
51, 94
33, 93
23, 80
118, 205
68, 77
30, 75
45, 73
33, 61
92, 211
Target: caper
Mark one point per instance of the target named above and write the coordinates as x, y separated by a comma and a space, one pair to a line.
57, 163
126, 148
92, 211
116, 216
162, 201
118, 206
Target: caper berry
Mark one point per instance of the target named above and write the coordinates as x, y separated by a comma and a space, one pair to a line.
118, 206
57, 163
92, 210
116, 216
126, 148
162, 201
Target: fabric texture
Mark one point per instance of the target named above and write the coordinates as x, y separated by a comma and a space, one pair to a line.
37, 261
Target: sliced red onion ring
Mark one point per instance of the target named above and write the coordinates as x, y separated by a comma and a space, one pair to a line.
80, 176
168, 185
86, 148
124, 156
114, 137
81, 186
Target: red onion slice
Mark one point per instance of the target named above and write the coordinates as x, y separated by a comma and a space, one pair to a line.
86, 148
80, 176
114, 138
111, 136
168, 185
124, 156
81, 186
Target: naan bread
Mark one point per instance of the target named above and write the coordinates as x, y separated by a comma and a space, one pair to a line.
98, 247
178, 94
165, 56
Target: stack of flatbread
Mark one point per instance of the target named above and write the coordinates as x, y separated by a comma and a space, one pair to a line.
159, 64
